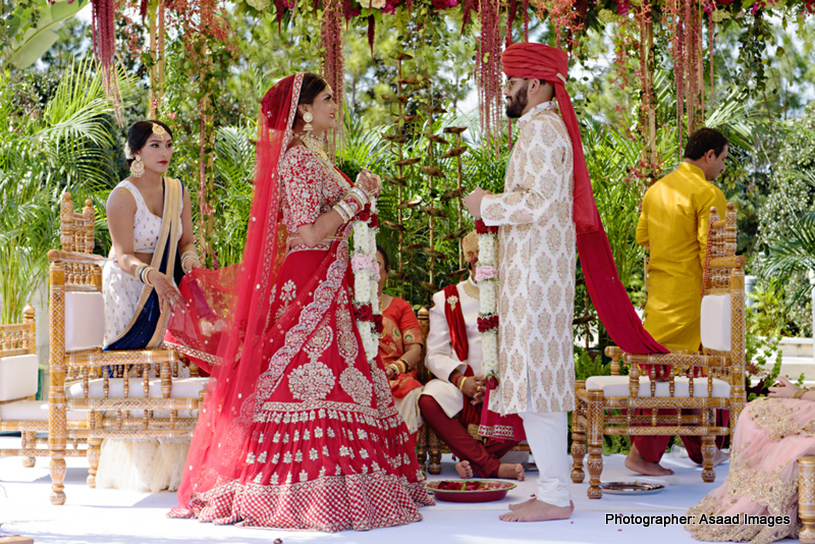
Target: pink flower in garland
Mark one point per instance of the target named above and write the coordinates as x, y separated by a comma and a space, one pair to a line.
623, 7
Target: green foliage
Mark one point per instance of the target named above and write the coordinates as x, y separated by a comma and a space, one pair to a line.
759, 351
43, 152
784, 229
30, 29
768, 315
234, 172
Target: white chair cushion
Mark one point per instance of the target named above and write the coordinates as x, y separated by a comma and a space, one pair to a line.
715, 322
33, 410
182, 388
617, 386
18, 376
84, 321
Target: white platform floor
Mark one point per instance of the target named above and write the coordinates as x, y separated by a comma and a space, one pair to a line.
120, 517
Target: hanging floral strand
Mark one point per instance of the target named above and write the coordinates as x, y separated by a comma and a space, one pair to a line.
334, 61
488, 73
526, 20
675, 27
563, 16
104, 46
710, 7
512, 11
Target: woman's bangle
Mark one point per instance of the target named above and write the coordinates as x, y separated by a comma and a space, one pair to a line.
461, 383
404, 364
360, 196
800, 393
345, 210
143, 273
189, 260
393, 367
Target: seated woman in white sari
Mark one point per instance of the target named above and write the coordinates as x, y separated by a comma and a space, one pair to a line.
152, 237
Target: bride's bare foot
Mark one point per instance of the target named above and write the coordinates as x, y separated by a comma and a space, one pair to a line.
511, 472
637, 463
514, 507
535, 510
464, 469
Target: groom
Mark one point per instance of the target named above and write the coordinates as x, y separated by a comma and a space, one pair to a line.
536, 272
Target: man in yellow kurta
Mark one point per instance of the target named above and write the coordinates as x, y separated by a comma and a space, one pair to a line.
673, 225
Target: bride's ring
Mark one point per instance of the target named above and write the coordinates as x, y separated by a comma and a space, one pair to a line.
480, 388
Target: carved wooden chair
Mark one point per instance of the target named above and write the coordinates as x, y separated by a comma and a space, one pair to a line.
19, 380
806, 499
141, 400
705, 381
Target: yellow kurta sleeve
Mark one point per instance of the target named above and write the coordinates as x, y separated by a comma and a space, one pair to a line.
642, 226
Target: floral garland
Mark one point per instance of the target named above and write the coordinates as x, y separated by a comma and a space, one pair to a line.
366, 279
486, 274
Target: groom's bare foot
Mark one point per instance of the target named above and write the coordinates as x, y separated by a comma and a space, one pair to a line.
464, 469
514, 507
511, 472
536, 510
637, 463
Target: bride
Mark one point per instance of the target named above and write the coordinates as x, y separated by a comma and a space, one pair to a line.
298, 430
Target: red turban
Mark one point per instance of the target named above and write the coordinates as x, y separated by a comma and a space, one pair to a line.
550, 64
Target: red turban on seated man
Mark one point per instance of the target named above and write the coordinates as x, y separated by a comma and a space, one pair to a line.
550, 64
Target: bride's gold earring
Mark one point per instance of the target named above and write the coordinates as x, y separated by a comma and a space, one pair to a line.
137, 167
308, 118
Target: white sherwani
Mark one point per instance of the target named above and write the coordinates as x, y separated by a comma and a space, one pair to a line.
441, 358
536, 267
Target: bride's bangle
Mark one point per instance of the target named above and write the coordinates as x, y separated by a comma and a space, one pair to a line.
345, 210
360, 195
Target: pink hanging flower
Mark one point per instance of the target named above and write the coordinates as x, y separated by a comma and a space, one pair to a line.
485, 273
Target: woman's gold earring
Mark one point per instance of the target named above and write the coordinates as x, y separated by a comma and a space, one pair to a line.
137, 167
308, 118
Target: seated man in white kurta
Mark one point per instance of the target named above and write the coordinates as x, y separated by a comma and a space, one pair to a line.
452, 402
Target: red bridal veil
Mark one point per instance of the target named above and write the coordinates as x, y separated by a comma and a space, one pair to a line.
229, 312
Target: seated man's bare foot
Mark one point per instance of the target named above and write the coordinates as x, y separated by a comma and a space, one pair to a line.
464, 469
637, 463
535, 510
720, 457
511, 472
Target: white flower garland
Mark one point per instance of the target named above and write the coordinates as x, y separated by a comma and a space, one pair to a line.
486, 275
366, 280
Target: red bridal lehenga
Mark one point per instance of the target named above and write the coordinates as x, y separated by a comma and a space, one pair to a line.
298, 429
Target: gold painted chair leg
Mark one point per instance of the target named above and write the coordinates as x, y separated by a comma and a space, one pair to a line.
94, 450
578, 447
29, 440
57, 470
434, 450
708, 452
421, 446
594, 424
806, 499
